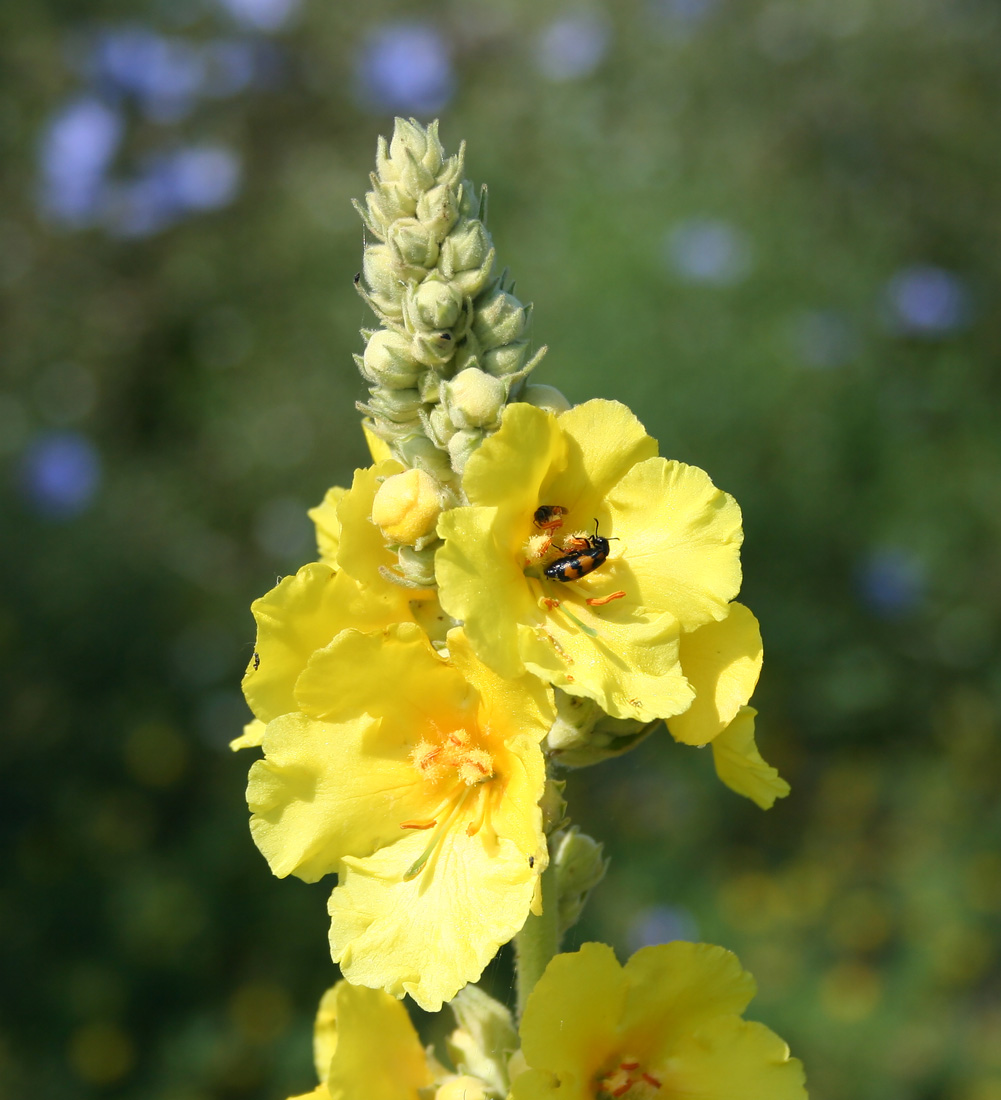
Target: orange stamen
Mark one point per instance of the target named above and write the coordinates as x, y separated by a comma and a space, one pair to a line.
650, 1080
600, 601
418, 824
550, 603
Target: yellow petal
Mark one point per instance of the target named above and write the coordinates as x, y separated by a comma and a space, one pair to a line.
318, 794
482, 585
252, 736
572, 1015
379, 1055
675, 989
384, 674
628, 664
679, 538
294, 619
730, 1057
722, 661
604, 441
377, 448
328, 526
362, 548
740, 766
325, 1032
509, 467
431, 935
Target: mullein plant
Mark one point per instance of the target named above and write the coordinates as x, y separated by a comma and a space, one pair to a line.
514, 586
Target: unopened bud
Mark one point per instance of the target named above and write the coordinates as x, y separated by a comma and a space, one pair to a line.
407, 506
500, 319
387, 361
438, 209
584, 734
545, 397
435, 305
505, 360
580, 866
413, 243
474, 398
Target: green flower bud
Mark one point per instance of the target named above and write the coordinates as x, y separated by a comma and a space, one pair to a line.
583, 734
505, 360
411, 144
545, 397
400, 406
553, 805
438, 209
385, 277
383, 205
474, 399
419, 451
472, 201
432, 349
412, 243
434, 305
461, 446
580, 866
500, 319
440, 426
417, 566
467, 258
387, 361
484, 1039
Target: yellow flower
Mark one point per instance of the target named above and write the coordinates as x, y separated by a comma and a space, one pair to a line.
417, 780
365, 1045
305, 612
537, 488
666, 1025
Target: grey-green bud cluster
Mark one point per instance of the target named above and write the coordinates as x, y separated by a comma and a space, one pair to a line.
453, 346
584, 734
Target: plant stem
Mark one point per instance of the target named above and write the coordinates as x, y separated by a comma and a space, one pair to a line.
538, 941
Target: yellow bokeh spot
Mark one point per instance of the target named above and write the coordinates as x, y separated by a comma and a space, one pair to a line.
101, 1053
155, 754
261, 1011
850, 992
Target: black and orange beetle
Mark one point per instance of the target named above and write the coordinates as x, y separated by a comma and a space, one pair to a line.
579, 563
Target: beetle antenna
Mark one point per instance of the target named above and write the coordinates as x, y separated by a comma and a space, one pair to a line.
614, 538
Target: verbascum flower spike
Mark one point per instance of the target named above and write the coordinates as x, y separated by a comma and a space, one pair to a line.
429, 276
667, 1024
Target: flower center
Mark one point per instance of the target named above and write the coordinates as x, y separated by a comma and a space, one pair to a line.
457, 760
456, 754
629, 1079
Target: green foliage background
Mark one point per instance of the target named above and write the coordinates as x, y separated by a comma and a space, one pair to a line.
147, 950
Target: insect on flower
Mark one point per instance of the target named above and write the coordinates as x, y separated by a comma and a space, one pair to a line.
580, 562
549, 517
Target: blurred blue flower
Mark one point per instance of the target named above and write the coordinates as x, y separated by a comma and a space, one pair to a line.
572, 46
77, 148
405, 67
166, 75
926, 300
661, 924
708, 250
189, 180
891, 581
60, 474
682, 15
261, 15
823, 338
231, 66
